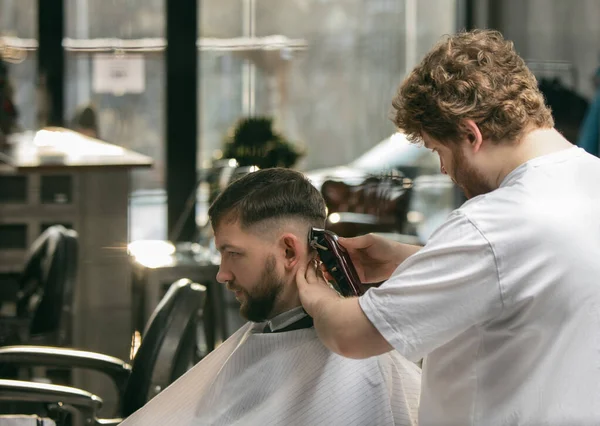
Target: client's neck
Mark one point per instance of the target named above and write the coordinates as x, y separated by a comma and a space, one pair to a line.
282, 309
287, 299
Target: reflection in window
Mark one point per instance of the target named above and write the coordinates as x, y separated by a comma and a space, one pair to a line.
132, 118
18, 19
220, 97
337, 92
334, 96
23, 78
111, 18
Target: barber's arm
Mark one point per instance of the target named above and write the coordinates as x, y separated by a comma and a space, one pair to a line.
376, 257
340, 322
435, 295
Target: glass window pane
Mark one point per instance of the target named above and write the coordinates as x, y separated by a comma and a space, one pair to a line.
337, 92
18, 19
22, 76
221, 103
115, 18
334, 96
135, 118
220, 85
132, 120
221, 18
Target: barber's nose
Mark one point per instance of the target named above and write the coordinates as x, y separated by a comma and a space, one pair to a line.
443, 169
223, 275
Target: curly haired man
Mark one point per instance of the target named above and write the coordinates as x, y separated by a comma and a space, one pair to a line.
503, 301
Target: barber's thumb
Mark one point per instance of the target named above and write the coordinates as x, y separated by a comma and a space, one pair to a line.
301, 275
343, 240
348, 242
357, 243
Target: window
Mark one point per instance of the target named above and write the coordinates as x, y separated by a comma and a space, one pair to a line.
134, 116
327, 71
18, 34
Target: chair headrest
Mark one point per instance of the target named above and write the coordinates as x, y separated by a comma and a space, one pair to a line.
48, 279
167, 334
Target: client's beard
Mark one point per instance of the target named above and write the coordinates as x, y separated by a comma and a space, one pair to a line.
260, 301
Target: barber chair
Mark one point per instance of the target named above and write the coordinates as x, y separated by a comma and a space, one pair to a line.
51, 404
165, 353
378, 204
21, 420
45, 297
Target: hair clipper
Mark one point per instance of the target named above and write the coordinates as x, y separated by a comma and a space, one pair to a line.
337, 261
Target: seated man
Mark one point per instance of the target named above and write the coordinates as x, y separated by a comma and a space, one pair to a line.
274, 370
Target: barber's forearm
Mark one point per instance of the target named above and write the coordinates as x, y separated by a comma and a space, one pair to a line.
343, 327
407, 250
401, 252
330, 324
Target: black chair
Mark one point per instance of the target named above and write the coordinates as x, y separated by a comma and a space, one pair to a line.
60, 403
166, 352
46, 285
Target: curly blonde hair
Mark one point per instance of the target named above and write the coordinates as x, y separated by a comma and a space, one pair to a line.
473, 75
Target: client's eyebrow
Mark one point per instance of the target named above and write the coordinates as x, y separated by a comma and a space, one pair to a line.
228, 247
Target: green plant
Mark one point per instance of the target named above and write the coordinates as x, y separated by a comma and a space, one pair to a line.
253, 142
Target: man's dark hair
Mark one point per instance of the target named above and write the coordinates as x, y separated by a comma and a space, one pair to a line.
275, 193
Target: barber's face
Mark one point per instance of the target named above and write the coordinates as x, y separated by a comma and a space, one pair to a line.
249, 269
455, 164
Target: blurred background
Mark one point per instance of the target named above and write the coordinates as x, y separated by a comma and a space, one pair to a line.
121, 120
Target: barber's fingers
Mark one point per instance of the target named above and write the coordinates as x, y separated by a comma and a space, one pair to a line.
301, 276
357, 243
325, 272
309, 274
311, 271
319, 272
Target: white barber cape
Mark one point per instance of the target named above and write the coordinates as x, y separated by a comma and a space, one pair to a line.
286, 378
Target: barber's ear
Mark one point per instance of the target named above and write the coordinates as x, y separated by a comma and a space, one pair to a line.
474, 137
292, 249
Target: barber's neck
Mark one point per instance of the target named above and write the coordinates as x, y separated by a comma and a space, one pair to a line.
534, 143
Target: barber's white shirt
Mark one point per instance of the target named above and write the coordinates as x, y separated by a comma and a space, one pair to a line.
505, 302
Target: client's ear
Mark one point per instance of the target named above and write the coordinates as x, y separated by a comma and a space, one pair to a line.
292, 249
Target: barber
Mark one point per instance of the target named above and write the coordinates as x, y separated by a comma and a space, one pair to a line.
503, 302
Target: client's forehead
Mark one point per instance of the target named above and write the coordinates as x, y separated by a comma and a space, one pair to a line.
227, 233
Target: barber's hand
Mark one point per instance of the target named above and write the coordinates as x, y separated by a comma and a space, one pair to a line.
313, 289
376, 257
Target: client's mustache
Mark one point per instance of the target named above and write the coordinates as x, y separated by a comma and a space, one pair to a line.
232, 287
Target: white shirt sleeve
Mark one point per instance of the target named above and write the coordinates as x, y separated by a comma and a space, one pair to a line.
447, 287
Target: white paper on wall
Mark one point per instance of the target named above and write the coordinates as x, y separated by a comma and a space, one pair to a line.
118, 74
